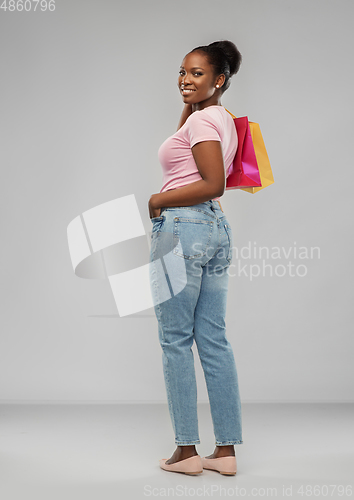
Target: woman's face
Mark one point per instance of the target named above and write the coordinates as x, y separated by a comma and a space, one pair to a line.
197, 81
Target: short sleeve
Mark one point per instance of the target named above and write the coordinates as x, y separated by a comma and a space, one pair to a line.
202, 127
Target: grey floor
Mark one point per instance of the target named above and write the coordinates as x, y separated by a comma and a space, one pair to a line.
105, 451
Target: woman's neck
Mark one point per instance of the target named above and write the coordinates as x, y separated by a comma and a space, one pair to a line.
205, 104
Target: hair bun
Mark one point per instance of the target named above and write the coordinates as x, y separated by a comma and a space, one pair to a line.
232, 54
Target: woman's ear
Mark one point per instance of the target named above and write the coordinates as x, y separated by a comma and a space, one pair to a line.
220, 81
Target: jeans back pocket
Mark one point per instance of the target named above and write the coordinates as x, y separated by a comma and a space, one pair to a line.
191, 237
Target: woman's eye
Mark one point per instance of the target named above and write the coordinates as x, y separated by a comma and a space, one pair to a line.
195, 74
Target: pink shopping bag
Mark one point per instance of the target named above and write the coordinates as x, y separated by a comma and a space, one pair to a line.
244, 171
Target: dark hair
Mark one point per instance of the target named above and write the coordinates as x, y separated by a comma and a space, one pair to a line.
225, 57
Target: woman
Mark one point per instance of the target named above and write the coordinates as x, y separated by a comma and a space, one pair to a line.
191, 251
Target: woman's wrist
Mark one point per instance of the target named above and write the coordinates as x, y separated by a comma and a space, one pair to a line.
154, 206
154, 201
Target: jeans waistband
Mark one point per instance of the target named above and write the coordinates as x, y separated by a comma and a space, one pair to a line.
209, 205
213, 204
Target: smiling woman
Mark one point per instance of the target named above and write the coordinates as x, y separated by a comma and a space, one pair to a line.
193, 238
204, 75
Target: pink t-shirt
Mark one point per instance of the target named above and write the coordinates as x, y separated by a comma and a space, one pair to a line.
212, 123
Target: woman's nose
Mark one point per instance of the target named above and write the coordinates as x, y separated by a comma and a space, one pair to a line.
185, 79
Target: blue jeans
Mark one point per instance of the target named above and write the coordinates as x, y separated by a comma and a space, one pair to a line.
191, 251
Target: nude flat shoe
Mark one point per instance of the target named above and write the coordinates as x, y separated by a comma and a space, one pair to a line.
192, 465
224, 465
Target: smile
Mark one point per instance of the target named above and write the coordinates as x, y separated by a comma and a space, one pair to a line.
187, 91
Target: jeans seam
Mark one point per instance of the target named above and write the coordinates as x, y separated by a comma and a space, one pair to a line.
226, 443
217, 247
229, 259
186, 443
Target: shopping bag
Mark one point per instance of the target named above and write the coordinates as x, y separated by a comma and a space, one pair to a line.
243, 171
264, 168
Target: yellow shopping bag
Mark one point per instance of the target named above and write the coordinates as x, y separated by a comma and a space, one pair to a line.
264, 167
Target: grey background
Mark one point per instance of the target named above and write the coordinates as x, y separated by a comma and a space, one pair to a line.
88, 94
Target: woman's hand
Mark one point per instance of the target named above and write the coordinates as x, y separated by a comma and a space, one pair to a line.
154, 208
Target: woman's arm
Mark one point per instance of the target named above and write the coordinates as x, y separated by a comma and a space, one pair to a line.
209, 159
187, 111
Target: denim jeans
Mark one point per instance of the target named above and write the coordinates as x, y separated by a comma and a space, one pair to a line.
191, 251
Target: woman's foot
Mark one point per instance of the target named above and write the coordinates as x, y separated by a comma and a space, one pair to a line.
181, 453
223, 451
